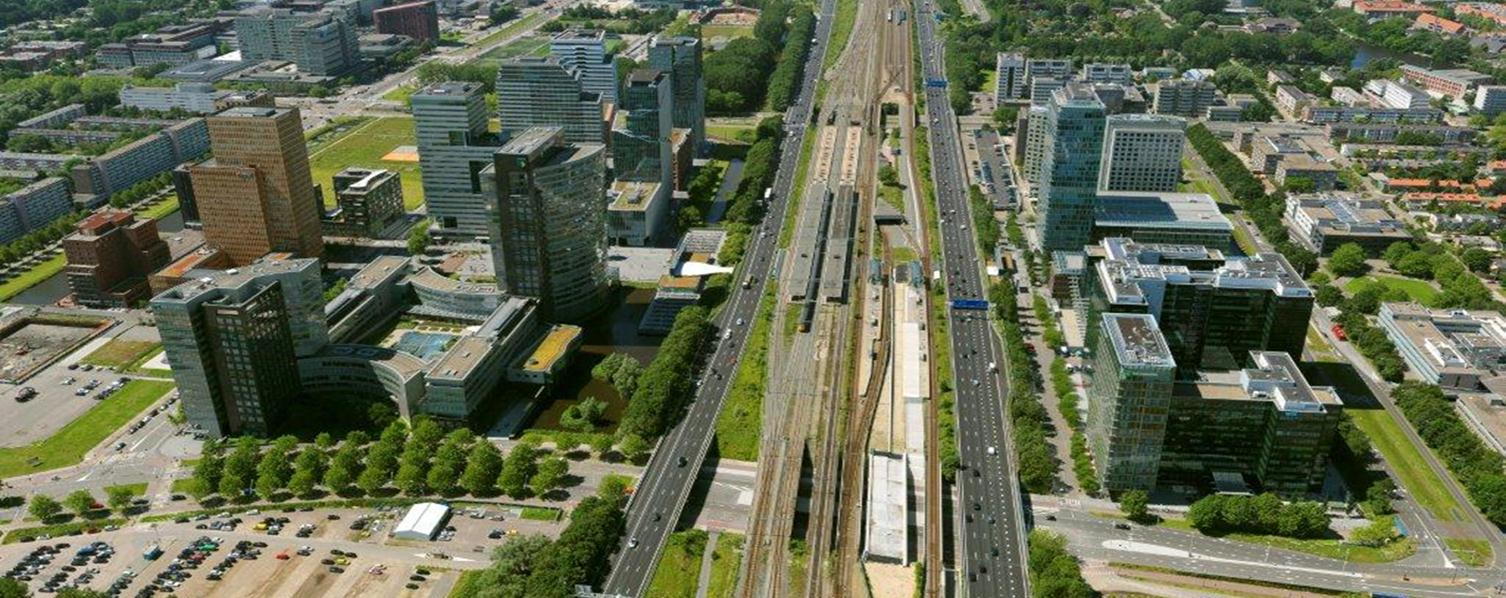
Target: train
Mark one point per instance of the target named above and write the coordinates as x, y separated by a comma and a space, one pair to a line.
812, 286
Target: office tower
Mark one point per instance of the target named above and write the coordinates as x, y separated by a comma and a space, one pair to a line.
418, 20
1010, 68
1104, 72
536, 91
1132, 382
232, 341
549, 222
449, 121
1142, 152
319, 43
584, 53
183, 187
366, 201
681, 58
1183, 97
258, 197
1073, 138
641, 145
110, 255
1213, 310
1033, 146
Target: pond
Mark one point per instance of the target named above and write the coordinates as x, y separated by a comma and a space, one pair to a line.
614, 332
1365, 53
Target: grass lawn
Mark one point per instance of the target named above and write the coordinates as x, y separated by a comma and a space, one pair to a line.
364, 146
136, 489
1418, 290
33, 277
1416, 477
893, 196
535, 45
463, 585
541, 514
513, 28
1243, 240
400, 93
1475, 553
847, 14
183, 485
1201, 185
725, 560
732, 132
799, 562
69, 444
59, 529
679, 568
122, 353
730, 32
904, 254
1334, 549
740, 423
160, 209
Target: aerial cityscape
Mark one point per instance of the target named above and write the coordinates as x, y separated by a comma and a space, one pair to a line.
752, 298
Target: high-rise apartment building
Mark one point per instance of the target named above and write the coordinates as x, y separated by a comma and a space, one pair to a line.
1105, 72
1011, 84
110, 256
1142, 152
538, 91
1213, 310
641, 145
549, 234
319, 43
258, 197
584, 53
1184, 97
1261, 426
681, 58
233, 340
454, 145
418, 20
1073, 138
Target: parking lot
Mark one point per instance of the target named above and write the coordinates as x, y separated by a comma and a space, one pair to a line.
267, 554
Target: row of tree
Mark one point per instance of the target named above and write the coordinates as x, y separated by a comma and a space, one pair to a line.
537, 567
784, 85
1028, 417
81, 502
738, 75
667, 385
747, 205
418, 462
1264, 209
1481, 470
1265, 514
1054, 572
36, 240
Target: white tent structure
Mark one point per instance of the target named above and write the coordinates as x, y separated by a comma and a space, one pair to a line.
422, 522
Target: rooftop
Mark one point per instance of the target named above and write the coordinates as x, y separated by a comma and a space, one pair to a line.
552, 348
1137, 340
633, 195
1128, 269
1167, 210
1346, 213
1454, 340
404, 364
378, 270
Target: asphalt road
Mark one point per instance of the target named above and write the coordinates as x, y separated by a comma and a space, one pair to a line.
992, 555
667, 480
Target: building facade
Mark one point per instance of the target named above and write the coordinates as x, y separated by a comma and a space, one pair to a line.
1324, 221
681, 58
1073, 145
454, 145
1131, 389
110, 256
32, 207
418, 20
641, 144
1010, 82
258, 196
535, 91
549, 229
1142, 152
1184, 97
319, 43
584, 53
366, 201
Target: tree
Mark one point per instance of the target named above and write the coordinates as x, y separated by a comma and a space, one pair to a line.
1135, 505
1377, 533
10, 588
44, 507
517, 469
583, 416
1328, 295
325, 440
482, 467
302, 483
371, 480
601, 444
418, 238
119, 497
1476, 259
634, 447
79, 501
550, 475
1348, 260
412, 477
338, 477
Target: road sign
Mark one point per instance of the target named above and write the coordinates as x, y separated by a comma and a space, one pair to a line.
935, 82
977, 304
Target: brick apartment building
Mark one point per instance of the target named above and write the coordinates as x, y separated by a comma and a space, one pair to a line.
110, 256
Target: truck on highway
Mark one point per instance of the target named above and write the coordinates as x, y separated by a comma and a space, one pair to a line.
992, 367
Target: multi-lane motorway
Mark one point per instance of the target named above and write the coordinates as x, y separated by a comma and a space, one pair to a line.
671, 472
991, 557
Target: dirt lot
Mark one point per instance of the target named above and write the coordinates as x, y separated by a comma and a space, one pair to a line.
34, 344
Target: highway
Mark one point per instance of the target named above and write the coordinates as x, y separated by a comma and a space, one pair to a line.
662, 491
992, 554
